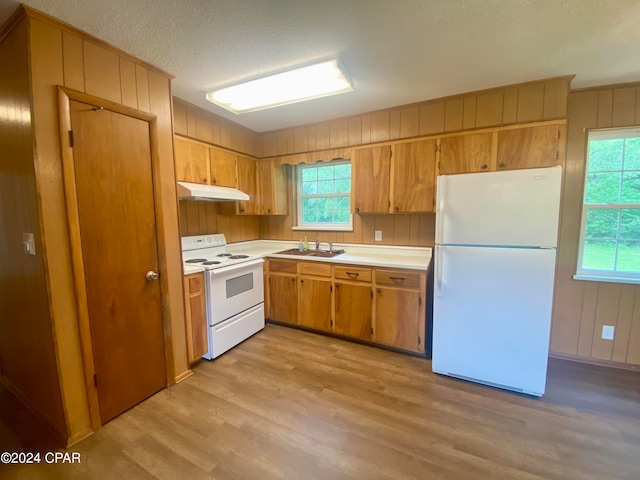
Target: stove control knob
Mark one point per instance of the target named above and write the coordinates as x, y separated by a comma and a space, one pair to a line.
151, 275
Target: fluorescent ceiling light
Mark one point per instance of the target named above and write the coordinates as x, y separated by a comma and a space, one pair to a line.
313, 81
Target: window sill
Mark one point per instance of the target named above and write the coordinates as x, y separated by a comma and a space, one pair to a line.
346, 228
599, 278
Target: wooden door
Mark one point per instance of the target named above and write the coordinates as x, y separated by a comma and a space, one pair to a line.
397, 318
529, 147
465, 153
353, 310
371, 177
114, 186
283, 298
414, 175
314, 300
247, 184
223, 168
191, 161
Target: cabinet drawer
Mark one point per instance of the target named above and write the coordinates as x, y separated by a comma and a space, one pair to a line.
398, 278
196, 282
352, 273
285, 266
315, 268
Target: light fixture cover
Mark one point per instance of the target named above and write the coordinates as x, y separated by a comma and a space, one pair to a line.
304, 83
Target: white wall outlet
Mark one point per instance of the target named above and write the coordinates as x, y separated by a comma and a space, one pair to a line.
28, 243
378, 236
607, 332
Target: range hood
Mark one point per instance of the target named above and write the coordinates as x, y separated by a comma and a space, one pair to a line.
213, 193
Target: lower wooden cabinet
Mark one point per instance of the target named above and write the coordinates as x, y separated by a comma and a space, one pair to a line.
385, 306
353, 311
195, 316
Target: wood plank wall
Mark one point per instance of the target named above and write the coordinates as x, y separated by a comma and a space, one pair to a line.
522, 103
581, 308
197, 123
27, 357
62, 55
532, 101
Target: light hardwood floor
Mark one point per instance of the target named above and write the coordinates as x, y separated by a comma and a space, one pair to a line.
288, 404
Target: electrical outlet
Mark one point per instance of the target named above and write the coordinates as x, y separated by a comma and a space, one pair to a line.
28, 243
607, 332
378, 236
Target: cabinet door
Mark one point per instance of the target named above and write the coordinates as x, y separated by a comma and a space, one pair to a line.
353, 310
414, 169
371, 177
314, 300
196, 318
191, 162
530, 147
398, 318
272, 188
247, 184
223, 168
465, 153
283, 298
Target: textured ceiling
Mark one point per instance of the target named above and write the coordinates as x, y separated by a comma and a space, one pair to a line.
397, 51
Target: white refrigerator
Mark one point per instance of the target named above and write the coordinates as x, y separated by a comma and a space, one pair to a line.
495, 257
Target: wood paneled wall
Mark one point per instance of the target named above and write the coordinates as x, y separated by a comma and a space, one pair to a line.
199, 217
58, 54
28, 362
522, 103
199, 124
581, 308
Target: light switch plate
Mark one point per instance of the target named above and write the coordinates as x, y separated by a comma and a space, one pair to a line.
378, 236
607, 332
28, 243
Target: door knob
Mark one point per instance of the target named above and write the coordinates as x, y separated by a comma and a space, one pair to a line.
151, 275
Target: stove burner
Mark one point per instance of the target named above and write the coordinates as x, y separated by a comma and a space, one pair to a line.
238, 257
211, 262
196, 260
223, 255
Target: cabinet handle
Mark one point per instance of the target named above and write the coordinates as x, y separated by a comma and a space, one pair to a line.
396, 209
485, 166
241, 210
206, 182
357, 209
301, 281
397, 279
501, 165
352, 274
268, 210
213, 181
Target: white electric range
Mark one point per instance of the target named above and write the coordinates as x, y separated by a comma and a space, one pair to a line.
234, 291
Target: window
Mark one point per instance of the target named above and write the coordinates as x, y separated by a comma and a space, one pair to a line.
324, 194
610, 229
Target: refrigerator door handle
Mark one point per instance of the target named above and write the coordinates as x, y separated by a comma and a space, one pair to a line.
438, 270
440, 195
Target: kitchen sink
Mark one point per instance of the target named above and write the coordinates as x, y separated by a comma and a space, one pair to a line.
311, 253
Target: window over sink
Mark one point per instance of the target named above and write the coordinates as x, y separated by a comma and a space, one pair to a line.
324, 196
609, 247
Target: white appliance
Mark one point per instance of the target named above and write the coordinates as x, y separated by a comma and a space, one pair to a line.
234, 289
495, 256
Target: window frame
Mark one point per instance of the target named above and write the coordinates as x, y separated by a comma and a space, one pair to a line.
341, 227
601, 275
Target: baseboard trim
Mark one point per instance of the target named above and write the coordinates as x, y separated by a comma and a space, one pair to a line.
183, 376
595, 361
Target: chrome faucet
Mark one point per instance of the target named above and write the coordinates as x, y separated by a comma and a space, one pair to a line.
331, 246
317, 245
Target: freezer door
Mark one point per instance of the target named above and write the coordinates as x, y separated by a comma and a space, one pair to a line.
518, 207
492, 315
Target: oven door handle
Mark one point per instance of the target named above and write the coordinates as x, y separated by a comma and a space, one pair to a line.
237, 267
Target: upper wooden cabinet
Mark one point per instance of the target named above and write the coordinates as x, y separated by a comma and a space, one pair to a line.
530, 147
371, 168
191, 161
272, 188
246, 168
465, 153
413, 173
223, 168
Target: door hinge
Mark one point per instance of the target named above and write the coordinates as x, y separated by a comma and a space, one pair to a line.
419, 300
71, 144
331, 288
438, 148
389, 204
95, 379
418, 340
557, 155
558, 134
371, 293
371, 330
438, 164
